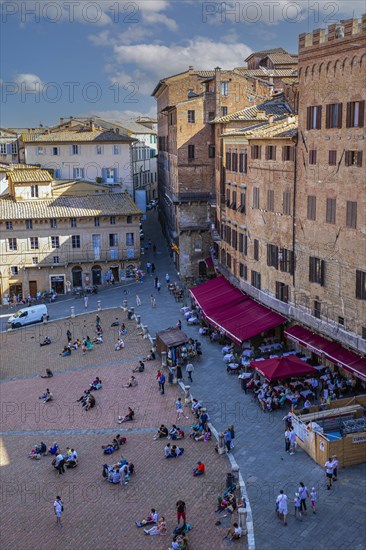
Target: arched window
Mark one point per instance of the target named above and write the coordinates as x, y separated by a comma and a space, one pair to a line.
77, 280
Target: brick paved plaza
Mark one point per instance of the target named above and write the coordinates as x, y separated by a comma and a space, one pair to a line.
96, 512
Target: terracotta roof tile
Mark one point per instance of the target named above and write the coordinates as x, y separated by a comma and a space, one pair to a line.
113, 204
29, 176
279, 128
76, 135
259, 112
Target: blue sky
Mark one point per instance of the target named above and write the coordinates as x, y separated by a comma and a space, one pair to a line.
106, 56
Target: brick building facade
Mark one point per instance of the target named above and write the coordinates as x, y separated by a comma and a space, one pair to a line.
187, 103
290, 225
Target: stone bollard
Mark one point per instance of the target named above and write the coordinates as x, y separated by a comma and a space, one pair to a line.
99, 304
187, 395
72, 308
125, 305
132, 309
242, 519
138, 320
235, 471
221, 448
163, 359
174, 372
146, 331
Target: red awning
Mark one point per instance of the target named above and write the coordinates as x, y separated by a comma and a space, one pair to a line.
233, 312
279, 368
333, 351
209, 262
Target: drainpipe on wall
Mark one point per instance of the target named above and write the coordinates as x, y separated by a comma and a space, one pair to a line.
294, 213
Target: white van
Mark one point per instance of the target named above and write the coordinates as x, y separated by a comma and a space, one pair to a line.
28, 315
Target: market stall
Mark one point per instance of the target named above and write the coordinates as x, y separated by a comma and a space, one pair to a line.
170, 341
339, 430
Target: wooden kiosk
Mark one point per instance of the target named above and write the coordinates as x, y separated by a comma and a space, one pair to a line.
338, 430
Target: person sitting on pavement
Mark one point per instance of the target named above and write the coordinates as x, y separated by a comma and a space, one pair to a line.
140, 368
35, 453
98, 339
151, 356
174, 451
90, 402
174, 433
119, 345
76, 344
196, 405
122, 331
162, 432
66, 351
49, 374
132, 383
42, 448
128, 418
203, 436
72, 460
96, 384
116, 477
84, 397
152, 517
53, 449
115, 323
159, 529
234, 533
46, 341
47, 396
200, 470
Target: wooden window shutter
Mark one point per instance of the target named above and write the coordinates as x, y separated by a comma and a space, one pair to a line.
340, 113
274, 152
361, 114
291, 262
275, 257
278, 290
259, 151
347, 158
285, 293
318, 117
284, 152
252, 151
269, 247
311, 269
359, 284
267, 152
359, 159
322, 273
327, 116
308, 118
349, 115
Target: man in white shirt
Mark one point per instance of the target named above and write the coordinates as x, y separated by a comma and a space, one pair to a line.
189, 370
60, 463
234, 533
287, 440
329, 467
58, 508
292, 441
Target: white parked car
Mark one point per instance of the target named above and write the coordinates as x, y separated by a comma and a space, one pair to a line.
28, 315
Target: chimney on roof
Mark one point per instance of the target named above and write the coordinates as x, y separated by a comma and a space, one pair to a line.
270, 119
61, 120
190, 68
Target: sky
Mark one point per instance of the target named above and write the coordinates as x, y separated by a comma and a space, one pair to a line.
63, 58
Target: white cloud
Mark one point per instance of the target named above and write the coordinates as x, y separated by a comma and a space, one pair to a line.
119, 116
28, 82
158, 60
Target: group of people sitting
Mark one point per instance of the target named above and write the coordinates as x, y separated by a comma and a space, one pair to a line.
46, 341
87, 400
174, 433
68, 459
120, 472
172, 451
198, 433
115, 445
38, 450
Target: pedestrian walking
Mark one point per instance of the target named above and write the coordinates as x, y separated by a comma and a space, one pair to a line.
313, 499
227, 437
86, 299
60, 463
68, 336
179, 407
148, 268
153, 268
156, 280
189, 370
158, 286
297, 503
179, 324
292, 439
58, 508
335, 467
167, 278
162, 383
138, 300
181, 511
287, 440
152, 300
303, 494
154, 248
329, 467
232, 433
282, 506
